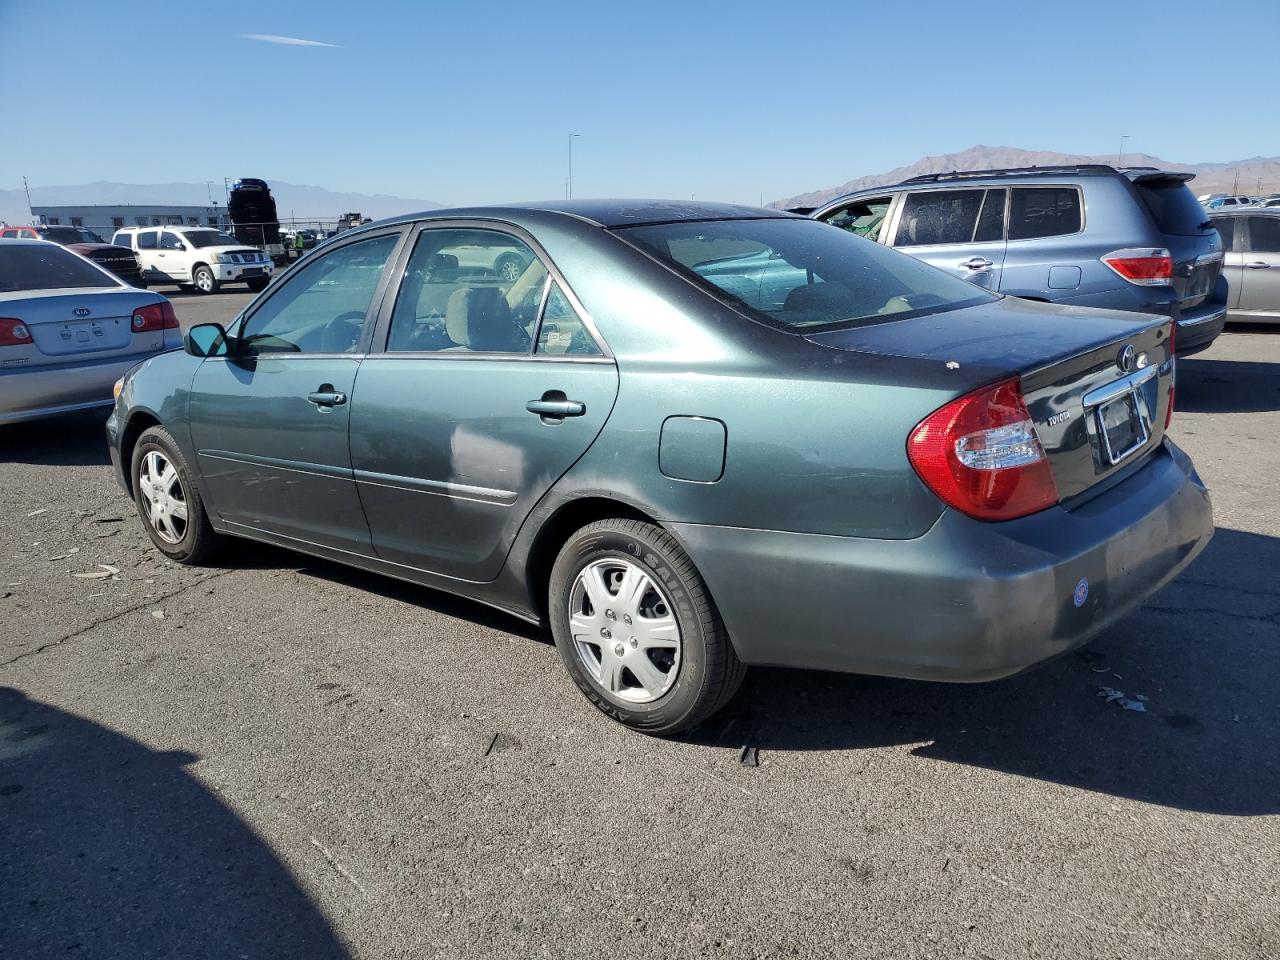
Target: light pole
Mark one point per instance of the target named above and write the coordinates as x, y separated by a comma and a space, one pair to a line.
1120, 155
568, 182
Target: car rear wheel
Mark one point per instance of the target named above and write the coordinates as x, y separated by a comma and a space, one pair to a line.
637, 629
205, 281
167, 499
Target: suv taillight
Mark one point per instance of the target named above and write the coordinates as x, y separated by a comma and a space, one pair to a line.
13, 333
155, 316
1144, 266
980, 454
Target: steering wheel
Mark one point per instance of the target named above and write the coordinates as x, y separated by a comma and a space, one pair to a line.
342, 332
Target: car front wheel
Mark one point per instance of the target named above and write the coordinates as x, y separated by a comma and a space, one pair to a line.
167, 499
205, 281
637, 629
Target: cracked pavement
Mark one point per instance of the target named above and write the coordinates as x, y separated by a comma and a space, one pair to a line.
298, 760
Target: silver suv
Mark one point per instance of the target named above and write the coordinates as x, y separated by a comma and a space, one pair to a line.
1088, 235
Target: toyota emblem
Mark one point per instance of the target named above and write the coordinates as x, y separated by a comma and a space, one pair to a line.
1126, 358
82, 311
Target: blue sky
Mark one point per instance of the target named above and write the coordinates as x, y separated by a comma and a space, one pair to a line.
465, 102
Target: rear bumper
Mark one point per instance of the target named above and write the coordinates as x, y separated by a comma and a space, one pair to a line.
1198, 328
968, 601
30, 394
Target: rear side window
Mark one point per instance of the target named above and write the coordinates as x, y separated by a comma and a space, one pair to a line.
1174, 208
1036, 212
991, 220
938, 216
1226, 227
1264, 234
47, 267
147, 240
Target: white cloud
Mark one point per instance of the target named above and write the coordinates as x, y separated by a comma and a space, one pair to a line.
286, 41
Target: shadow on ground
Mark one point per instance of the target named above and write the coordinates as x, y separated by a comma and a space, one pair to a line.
1227, 386
108, 848
1205, 651
75, 440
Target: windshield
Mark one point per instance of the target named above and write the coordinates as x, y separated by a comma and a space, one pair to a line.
802, 274
41, 267
210, 238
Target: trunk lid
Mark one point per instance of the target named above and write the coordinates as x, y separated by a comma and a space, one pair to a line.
74, 323
1095, 419
1187, 233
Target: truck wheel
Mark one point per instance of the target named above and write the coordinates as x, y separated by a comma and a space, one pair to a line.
205, 281
637, 629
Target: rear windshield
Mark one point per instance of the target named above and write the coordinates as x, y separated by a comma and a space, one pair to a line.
802, 274
1174, 208
47, 268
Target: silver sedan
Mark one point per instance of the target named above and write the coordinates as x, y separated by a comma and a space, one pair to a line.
69, 330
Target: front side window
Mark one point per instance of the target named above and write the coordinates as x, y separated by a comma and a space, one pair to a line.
938, 216
48, 267
1226, 227
322, 307
148, 240
864, 218
562, 332
1264, 234
170, 241
799, 274
471, 291
1044, 212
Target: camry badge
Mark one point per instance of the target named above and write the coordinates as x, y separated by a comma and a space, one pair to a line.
81, 311
1125, 360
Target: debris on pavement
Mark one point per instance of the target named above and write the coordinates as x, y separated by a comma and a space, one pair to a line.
62, 556
36, 513
1136, 703
750, 756
158, 614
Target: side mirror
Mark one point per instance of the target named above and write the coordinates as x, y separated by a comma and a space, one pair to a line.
206, 340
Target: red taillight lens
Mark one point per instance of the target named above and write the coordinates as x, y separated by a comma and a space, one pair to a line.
13, 333
155, 316
1144, 266
980, 454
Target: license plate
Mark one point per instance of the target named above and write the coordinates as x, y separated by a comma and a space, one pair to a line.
1199, 283
1121, 426
251, 272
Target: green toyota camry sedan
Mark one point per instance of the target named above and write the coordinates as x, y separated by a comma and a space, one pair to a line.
689, 438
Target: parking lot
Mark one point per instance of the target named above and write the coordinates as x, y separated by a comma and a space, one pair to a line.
278, 756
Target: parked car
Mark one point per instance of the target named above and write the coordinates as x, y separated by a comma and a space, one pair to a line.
69, 329
1271, 202
685, 471
121, 261
1218, 203
1087, 235
1251, 237
201, 257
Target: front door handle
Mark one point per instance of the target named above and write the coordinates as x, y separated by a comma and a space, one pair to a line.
977, 263
556, 408
327, 398
1257, 265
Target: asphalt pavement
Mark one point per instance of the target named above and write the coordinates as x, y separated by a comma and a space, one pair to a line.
280, 757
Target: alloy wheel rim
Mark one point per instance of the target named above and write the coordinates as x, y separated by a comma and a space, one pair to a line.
510, 270
202, 280
163, 498
624, 630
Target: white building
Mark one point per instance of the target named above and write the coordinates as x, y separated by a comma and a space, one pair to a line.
104, 219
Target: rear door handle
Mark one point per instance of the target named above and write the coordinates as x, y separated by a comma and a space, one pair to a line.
556, 408
977, 263
327, 398
1257, 265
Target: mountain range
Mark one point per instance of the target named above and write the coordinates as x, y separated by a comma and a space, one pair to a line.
292, 200
1255, 176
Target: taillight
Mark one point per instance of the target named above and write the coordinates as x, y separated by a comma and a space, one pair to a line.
980, 454
155, 316
1144, 266
13, 333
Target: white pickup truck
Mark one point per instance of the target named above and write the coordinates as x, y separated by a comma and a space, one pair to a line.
201, 257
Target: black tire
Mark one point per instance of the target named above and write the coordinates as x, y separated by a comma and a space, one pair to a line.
708, 673
204, 281
508, 267
258, 284
198, 539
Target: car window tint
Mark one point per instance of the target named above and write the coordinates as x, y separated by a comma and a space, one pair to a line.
1173, 207
147, 240
1226, 227
991, 220
468, 291
562, 332
864, 218
1264, 234
170, 241
322, 307
938, 216
47, 267
1043, 212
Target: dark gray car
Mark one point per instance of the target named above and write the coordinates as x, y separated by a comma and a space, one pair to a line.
690, 437
1089, 235
1251, 237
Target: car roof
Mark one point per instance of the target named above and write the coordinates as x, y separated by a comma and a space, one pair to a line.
601, 213
30, 241
1244, 212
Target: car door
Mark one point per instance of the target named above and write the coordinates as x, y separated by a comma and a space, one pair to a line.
172, 257
487, 391
269, 423
959, 231
148, 249
1232, 259
1260, 290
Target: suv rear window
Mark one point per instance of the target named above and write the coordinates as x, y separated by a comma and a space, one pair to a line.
802, 275
1036, 212
40, 267
1174, 208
